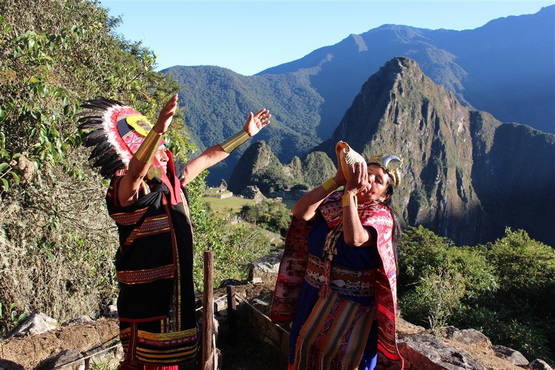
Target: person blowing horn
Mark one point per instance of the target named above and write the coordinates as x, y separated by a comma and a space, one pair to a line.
337, 278
147, 200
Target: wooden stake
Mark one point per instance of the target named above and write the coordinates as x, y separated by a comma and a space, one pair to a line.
208, 312
231, 302
231, 314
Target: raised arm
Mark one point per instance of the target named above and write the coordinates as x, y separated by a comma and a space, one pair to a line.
218, 152
353, 231
139, 165
306, 207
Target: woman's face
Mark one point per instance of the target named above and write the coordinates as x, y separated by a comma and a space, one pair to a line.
378, 182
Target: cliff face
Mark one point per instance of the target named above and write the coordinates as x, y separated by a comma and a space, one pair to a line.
514, 176
400, 110
466, 175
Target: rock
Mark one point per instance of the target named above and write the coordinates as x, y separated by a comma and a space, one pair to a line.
405, 328
424, 351
220, 305
511, 355
111, 311
253, 192
69, 359
83, 319
10, 365
26, 168
104, 357
36, 323
538, 364
265, 269
449, 331
471, 336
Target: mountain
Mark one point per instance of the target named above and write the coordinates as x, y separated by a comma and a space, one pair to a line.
506, 67
259, 166
466, 175
216, 102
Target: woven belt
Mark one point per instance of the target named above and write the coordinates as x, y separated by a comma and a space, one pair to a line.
132, 277
357, 283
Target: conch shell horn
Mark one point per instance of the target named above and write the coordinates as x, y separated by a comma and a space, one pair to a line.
347, 156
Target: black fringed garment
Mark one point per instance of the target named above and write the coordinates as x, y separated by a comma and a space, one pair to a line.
154, 266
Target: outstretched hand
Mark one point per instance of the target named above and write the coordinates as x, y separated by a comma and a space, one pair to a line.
166, 115
255, 122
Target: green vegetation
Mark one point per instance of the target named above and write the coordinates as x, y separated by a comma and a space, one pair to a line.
270, 214
234, 245
505, 288
223, 98
57, 242
228, 205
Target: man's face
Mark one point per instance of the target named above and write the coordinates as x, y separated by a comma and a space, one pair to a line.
162, 157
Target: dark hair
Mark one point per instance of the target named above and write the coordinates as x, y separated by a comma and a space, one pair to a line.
396, 230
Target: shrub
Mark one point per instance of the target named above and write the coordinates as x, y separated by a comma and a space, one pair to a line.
505, 288
234, 245
270, 214
436, 297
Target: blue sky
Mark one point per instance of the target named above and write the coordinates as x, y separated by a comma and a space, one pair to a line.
250, 36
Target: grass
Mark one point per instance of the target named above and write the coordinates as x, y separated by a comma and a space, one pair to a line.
234, 203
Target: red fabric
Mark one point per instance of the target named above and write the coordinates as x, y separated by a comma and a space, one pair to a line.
293, 267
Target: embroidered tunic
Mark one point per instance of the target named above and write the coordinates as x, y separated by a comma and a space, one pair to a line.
156, 304
357, 319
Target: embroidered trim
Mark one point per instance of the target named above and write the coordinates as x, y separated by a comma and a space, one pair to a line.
128, 218
151, 226
184, 334
343, 281
132, 277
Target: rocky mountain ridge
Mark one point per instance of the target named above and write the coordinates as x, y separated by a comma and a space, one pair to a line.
504, 67
260, 167
466, 175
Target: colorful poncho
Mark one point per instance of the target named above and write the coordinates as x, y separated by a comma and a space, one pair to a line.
293, 271
156, 303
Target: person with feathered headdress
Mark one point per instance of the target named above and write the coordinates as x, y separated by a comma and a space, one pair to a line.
147, 200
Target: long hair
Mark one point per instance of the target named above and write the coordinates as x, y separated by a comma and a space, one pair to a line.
396, 236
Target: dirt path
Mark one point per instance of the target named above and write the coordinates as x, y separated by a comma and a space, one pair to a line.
28, 352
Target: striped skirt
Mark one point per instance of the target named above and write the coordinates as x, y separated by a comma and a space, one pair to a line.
334, 335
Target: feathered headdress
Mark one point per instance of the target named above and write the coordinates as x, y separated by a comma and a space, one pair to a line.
115, 130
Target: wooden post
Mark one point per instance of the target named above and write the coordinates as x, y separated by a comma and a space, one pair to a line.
231, 302
231, 314
208, 312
